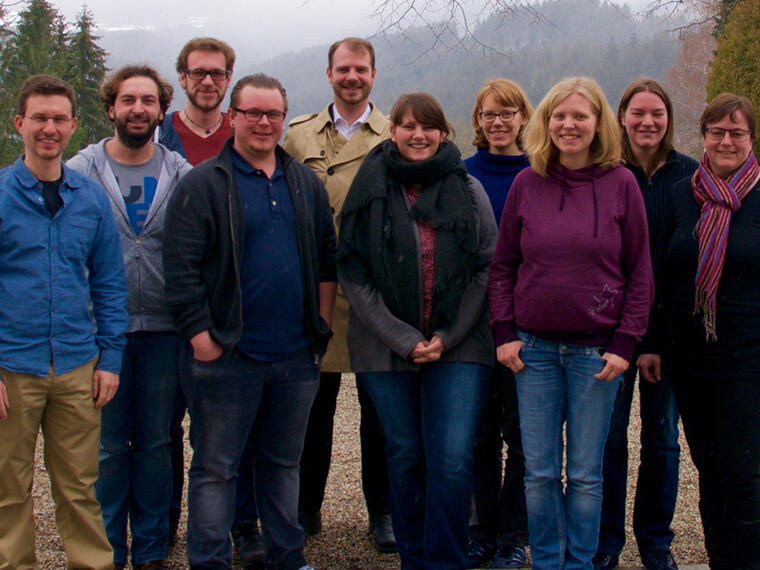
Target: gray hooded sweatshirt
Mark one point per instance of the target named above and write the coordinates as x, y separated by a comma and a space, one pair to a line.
146, 301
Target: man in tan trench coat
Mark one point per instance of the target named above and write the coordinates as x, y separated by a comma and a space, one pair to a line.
334, 143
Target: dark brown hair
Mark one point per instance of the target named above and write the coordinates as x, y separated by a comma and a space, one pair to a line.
261, 81
206, 44
354, 45
110, 87
425, 108
44, 84
727, 105
639, 85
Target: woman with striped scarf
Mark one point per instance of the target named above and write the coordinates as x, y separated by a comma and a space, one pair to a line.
709, 328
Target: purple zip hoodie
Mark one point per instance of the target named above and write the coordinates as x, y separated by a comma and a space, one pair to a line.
572, 260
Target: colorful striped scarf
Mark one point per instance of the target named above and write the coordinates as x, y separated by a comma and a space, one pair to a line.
718, 199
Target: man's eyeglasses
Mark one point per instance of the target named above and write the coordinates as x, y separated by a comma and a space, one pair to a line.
717, 133
199, 74
58, 120
255, 115
505, 116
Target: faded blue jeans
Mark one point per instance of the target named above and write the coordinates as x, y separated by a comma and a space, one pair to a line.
228, 399
557, 388
135, 454
429, 419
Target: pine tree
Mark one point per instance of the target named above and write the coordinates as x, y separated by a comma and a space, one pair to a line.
43, 42
38, 46
85, 71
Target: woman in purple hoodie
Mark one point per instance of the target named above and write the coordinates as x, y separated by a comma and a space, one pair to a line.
570, 288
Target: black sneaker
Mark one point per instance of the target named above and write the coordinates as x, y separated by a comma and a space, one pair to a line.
479, 553
246, 539
604, 561
508, 557
659, 560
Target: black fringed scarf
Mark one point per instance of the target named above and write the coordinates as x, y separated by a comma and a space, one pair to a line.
377, 243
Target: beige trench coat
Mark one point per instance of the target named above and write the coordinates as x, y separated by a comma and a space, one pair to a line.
314, 140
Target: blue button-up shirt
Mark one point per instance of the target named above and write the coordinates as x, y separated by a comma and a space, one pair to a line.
62, 287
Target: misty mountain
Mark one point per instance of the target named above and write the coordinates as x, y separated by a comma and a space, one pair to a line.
573, 37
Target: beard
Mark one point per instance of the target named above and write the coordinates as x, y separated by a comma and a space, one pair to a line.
365, 89
132, 139
204, 105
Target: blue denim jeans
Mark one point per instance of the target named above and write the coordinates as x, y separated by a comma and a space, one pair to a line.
557, 387
429, 419
135, 455
229, 399
657, 483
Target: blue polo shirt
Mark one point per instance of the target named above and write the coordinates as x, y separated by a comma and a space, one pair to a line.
63, 293
271, 282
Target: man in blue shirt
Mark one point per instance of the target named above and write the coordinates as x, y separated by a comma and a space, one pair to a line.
62, 322
249, 258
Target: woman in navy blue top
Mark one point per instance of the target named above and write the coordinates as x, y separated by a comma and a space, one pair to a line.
645, 113
501, 111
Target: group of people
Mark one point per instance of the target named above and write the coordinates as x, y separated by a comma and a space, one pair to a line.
192, 263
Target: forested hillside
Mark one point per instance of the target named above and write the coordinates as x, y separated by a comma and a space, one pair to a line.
579, 37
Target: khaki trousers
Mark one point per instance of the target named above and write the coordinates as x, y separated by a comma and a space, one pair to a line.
62, 404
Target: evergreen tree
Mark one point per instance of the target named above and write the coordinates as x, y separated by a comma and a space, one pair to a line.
85, 70
723, 11
44, 43
38, 46
735, 66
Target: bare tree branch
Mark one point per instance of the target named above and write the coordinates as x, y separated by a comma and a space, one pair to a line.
453, 23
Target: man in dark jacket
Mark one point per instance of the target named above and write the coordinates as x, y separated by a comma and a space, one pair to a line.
250, 280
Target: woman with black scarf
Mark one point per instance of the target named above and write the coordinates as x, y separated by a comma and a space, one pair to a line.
417, 236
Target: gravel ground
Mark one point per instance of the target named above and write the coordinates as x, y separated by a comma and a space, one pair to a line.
344, 543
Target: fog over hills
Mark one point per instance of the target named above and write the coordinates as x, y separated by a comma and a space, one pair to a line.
578, 37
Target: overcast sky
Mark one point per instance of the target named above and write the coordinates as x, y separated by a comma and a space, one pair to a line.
292, 24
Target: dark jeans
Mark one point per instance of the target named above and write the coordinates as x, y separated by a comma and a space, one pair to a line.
317, 451
135, 456
177, 434
721, 420
228, 399
245, 497
657, 483
245, 501
429, 419
500, 505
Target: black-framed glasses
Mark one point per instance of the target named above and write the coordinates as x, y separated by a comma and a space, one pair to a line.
717, 133
254, 115
505, 116
199, 74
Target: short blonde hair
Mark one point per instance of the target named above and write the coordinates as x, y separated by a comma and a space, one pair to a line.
605, 149
507, 93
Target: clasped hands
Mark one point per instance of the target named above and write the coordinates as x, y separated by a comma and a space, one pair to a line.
427, 350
